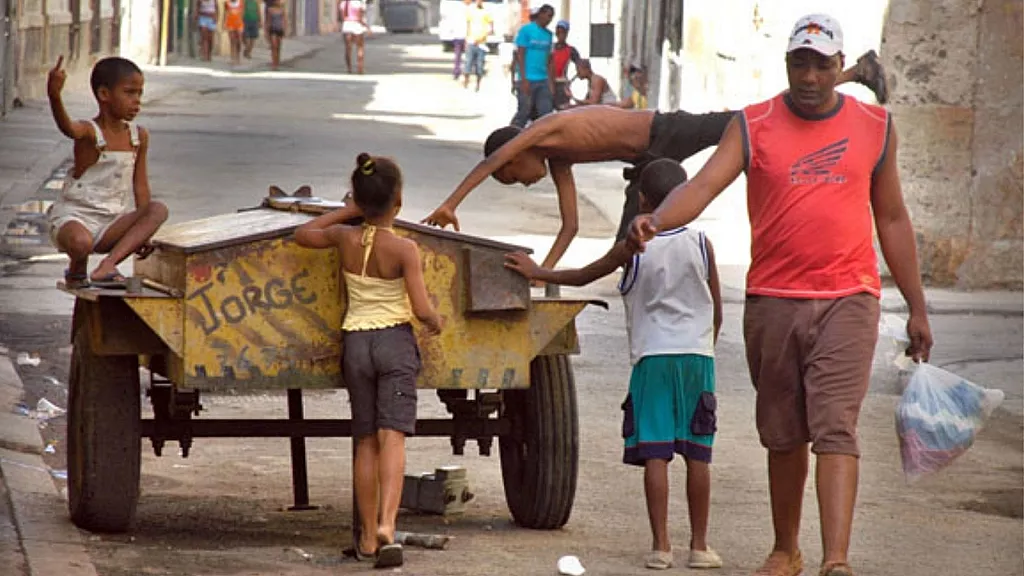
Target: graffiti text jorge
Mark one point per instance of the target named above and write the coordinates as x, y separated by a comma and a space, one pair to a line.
275, 293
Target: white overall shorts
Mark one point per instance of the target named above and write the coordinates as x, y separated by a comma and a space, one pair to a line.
102, 194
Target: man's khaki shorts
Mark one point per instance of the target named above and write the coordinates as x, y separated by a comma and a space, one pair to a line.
810, 362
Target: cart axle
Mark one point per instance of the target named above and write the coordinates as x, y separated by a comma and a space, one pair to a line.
280, 428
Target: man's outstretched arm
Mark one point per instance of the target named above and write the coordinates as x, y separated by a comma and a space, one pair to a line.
688, 200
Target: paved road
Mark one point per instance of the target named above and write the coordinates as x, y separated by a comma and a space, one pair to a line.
221, 140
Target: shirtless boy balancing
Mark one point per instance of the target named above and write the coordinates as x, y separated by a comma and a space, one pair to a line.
552, 144
93, 212
380, 361
673, 313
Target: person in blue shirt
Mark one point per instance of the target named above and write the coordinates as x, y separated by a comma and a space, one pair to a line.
533, 55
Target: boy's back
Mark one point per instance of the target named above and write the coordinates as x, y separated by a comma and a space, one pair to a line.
669, 307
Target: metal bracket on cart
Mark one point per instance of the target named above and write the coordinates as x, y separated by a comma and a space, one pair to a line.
173, 409
470, 417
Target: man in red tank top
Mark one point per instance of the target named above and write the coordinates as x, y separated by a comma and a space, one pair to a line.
821, 169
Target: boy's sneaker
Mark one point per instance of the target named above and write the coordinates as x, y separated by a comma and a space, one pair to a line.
704, 559
658, 560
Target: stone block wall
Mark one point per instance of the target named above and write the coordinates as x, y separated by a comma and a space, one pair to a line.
46, 30
957, 70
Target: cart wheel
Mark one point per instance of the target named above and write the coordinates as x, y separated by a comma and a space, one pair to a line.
540, 457
104, 438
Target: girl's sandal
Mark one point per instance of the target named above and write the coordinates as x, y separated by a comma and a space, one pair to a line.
389, 554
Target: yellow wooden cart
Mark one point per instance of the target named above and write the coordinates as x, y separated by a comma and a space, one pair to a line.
232, 303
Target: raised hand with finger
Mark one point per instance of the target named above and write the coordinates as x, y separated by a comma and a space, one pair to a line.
56, 78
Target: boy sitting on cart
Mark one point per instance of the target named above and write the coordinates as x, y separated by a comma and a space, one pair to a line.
93, 213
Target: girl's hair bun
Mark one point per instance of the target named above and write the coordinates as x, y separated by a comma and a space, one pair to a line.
365, 163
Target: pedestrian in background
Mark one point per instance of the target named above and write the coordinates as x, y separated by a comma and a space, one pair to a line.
353, 27
252, 22
206, 20
561, 56
479, 27
277, 22
234, 23
598, 89
533, 56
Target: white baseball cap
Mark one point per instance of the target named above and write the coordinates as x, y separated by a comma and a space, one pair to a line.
819, 32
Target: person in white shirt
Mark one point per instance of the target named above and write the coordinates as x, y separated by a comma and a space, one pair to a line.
673, 313
352, 14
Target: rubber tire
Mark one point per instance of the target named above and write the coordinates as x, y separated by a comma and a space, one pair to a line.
104, 438
540, 457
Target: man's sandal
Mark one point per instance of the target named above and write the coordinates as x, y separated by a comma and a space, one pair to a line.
782, 564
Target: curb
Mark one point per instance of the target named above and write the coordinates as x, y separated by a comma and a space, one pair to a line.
50, 543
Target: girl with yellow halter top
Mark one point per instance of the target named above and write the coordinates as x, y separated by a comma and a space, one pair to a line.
380, 361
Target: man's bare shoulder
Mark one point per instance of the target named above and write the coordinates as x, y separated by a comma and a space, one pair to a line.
596, 134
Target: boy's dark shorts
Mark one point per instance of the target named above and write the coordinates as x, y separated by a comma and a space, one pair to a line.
676, 135
380, 369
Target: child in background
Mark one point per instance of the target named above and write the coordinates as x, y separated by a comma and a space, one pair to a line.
673, 314
234, 23
93, 214
380, 360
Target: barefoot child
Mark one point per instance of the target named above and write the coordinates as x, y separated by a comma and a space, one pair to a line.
93, 213
673, 313
380, 361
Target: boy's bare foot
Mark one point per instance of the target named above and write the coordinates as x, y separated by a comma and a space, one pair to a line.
871, 73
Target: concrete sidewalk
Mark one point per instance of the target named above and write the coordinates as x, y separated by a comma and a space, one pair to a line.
45, 542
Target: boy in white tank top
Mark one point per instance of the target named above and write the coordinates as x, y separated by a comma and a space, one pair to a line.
673, 314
